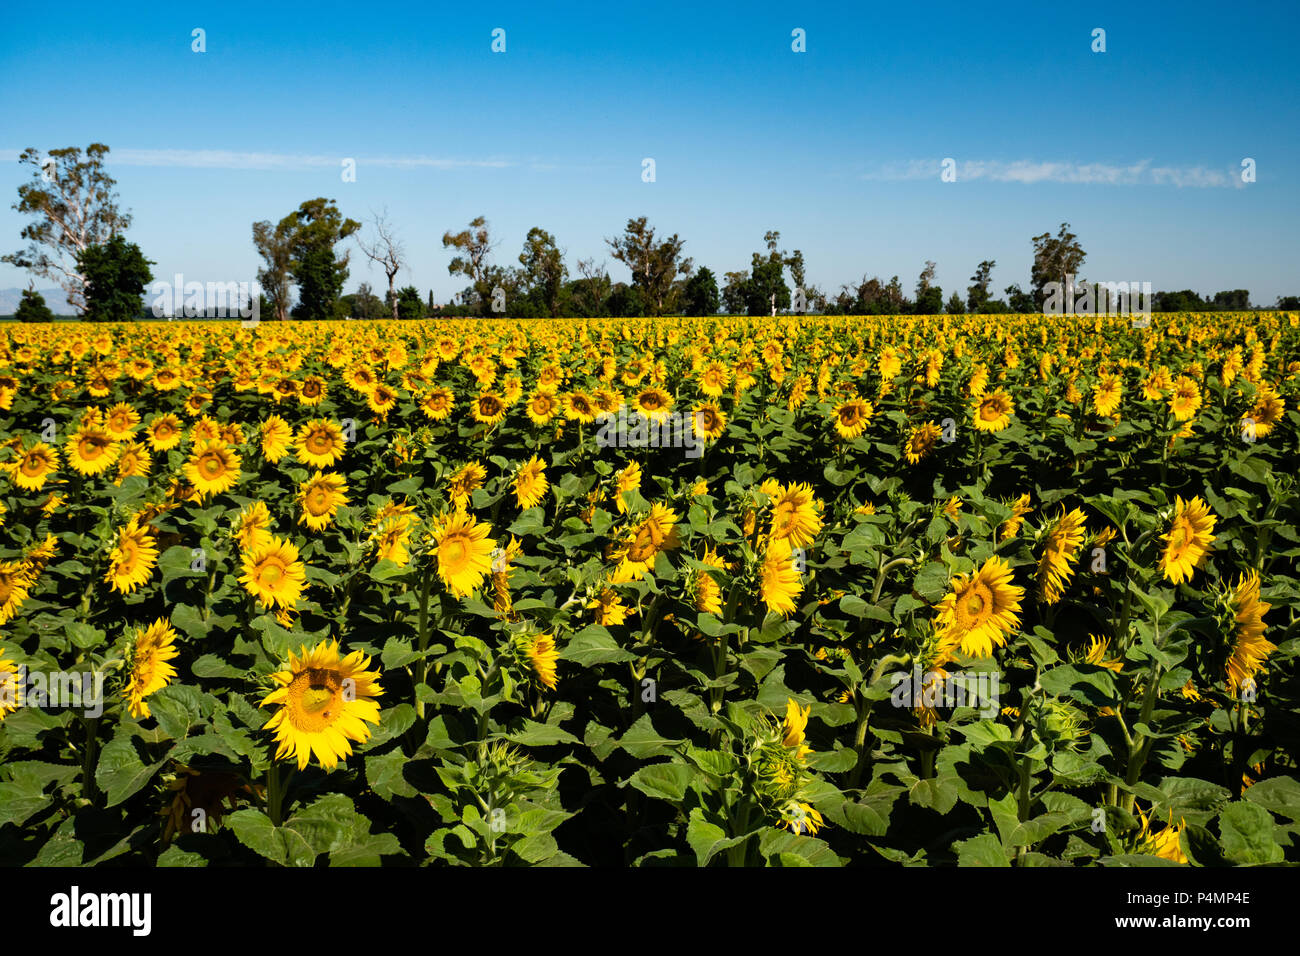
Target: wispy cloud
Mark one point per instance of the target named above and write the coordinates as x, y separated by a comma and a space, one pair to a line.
1030, 172
229, 159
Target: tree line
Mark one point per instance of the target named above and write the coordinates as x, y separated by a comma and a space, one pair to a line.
76, 238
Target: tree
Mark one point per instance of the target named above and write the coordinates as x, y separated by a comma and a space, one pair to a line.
32, 308
1288, 303
654, 266
929, 297
474, 247
701, 295
626, 300
955, 306
75, 208
766, 291
544, 269
592, 288
364, 304
1232, 300
117, 274
385, 251
317, 227
1018, 300
1054, 259
275, 245
409, 303
977, 294
735, 291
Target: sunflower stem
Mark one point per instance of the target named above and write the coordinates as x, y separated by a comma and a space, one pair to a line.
89, 788
422, 669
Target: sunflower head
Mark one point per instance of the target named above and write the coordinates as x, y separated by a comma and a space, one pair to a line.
323, 701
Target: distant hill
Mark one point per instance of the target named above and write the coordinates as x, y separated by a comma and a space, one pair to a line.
54, 298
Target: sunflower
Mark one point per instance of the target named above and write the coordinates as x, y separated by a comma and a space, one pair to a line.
1250, 648
324, 701
11, 687
121, 420
1106, 395
609, 608
273, 574
713, 379
993, 411
91, 450
530, 483
1098, 648
134, 461
252, 527
320, 443
780, 583
705, 593
921, 442
541, 407
1185, 402
320, 496
796, 722
796, 517
656, 533
488, 409
132, 559
654, 403
164, 432
213, 468
462, 485
1165, 844
542, 657
1190, 539
851, 418
390, 538
15, 582
437, 404
709, 421
1011, 527
276, 435
1266, 412
312, 391
579, 407
1060, 547
464, 551
34, 466
628, 479
147, 657
982, 609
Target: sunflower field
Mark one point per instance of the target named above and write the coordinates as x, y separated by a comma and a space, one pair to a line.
977, 590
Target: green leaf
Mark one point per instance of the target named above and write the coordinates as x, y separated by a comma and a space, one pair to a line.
541, 735
642, 741
932, 580
120, 772
665, 781
983, 850
209, 665
1247, 834
594, 645
1278, 794
384, 774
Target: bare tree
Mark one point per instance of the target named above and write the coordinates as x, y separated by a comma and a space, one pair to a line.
75, 207
595, 285
384, 251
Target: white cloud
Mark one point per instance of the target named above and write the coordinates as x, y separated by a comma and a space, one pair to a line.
1029, 172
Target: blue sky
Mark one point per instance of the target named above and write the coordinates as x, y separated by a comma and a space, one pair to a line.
839, 148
